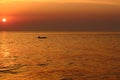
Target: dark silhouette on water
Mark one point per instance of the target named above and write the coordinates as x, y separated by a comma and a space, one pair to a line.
39, 37
66, 79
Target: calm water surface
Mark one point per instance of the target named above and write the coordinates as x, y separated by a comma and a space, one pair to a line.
61, 56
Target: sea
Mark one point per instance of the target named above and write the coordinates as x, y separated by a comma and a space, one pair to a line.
34, 55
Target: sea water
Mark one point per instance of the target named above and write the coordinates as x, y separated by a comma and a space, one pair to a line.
59, 56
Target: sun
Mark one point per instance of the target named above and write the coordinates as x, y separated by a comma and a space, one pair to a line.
4, 20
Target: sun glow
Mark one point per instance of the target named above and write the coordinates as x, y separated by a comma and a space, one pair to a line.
4, 19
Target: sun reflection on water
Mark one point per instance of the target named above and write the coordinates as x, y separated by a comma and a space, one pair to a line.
5, 54
4, 49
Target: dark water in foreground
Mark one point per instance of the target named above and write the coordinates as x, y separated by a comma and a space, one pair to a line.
60, 56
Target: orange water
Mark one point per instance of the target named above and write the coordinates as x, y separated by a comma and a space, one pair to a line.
61, 56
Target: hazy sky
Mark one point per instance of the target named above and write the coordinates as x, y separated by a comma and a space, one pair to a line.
60, 15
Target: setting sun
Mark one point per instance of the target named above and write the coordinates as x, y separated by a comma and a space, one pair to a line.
4, 20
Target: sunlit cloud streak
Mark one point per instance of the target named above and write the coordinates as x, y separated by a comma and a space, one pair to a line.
107, 2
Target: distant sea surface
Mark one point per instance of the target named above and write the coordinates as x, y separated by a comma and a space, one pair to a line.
59, 56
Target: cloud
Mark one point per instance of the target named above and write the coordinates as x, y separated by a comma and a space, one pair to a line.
107, 2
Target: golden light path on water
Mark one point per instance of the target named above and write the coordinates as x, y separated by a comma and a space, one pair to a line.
4, 54
4, 47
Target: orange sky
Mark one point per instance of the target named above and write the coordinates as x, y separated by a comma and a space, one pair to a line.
8, 7
23, 12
